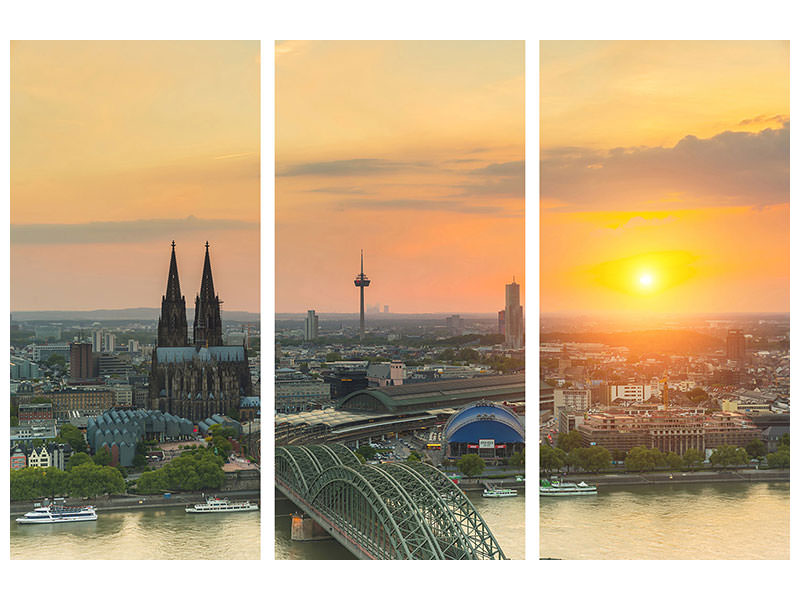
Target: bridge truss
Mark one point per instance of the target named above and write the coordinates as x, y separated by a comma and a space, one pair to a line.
390, 511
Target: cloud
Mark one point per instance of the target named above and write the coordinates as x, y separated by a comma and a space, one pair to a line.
344, 191
349, 167
731, 168
495, 180
418, 205
119, 232
779, 119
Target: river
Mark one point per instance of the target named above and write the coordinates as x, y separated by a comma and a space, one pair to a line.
504, 516
153, 533
690, 521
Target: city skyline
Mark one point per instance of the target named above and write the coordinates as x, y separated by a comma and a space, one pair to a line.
413, 151
117, 149
658, 159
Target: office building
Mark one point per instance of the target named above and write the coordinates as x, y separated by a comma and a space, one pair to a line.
514, 328
735, 345
311, 331
82, 362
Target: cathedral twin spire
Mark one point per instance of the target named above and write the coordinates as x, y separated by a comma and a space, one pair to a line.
172, 325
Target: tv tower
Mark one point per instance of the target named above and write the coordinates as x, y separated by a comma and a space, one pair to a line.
361, 282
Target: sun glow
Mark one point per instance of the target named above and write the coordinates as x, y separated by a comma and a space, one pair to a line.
646, 280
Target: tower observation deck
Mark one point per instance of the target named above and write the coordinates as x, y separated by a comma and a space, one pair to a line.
361, 281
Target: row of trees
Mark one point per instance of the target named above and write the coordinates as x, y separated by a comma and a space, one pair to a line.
193, 470
83, 480
641, 459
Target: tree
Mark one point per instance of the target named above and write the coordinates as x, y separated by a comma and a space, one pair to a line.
697, 396
471, 465
693, 457
570, 441
78, 458
413, 457
333, 357
726, 456
71, 435
779, 459
673, 461
367, 451
756, 448
641, 459
517, 459
551, 459
102, 457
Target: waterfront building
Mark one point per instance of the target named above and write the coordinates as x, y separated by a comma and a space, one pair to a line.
121, 430
208, 377
490, 430
311, 331
19, 460
514, 327
39, 457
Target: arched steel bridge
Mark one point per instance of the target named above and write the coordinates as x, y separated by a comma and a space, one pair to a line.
389, 511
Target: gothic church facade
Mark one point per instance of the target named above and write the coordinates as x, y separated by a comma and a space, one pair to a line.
196, 380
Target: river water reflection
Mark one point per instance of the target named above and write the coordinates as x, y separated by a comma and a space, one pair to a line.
690, 521
165, 533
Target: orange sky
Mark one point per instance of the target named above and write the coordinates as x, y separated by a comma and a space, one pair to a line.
664, 176
116, 149
413, 151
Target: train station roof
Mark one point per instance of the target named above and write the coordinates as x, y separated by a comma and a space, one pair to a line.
422, 397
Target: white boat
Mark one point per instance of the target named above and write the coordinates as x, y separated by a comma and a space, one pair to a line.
217, 505
493, 492
58, 513
560, 488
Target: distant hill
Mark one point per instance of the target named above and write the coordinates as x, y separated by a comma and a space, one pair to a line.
671, 341
118, 314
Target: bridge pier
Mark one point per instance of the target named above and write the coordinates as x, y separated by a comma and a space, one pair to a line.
306, 529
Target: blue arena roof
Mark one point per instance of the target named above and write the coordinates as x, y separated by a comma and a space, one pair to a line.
481, 421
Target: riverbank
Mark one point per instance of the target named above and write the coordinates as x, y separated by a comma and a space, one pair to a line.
665, 478
139, 502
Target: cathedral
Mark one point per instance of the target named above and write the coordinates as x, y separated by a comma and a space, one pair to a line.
196, 380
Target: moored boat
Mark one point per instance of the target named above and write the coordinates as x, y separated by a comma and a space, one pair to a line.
561, 488
217, 505
494, 492
58, 513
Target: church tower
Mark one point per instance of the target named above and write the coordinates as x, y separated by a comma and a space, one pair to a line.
207, 321
172, 326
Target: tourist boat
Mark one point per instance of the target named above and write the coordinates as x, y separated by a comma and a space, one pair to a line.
560, 488
216, 505
493, 492
58, 513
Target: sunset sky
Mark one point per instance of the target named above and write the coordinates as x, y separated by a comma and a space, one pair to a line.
413, 151
664, 176
117, 148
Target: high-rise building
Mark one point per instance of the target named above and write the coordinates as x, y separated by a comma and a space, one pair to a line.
109, 342
501, 322
385, 308
735, 345
455, 326
362, 281
82, 363
311, 330
97, 341
513, 317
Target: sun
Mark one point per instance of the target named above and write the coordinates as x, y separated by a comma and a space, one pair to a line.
646, 280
